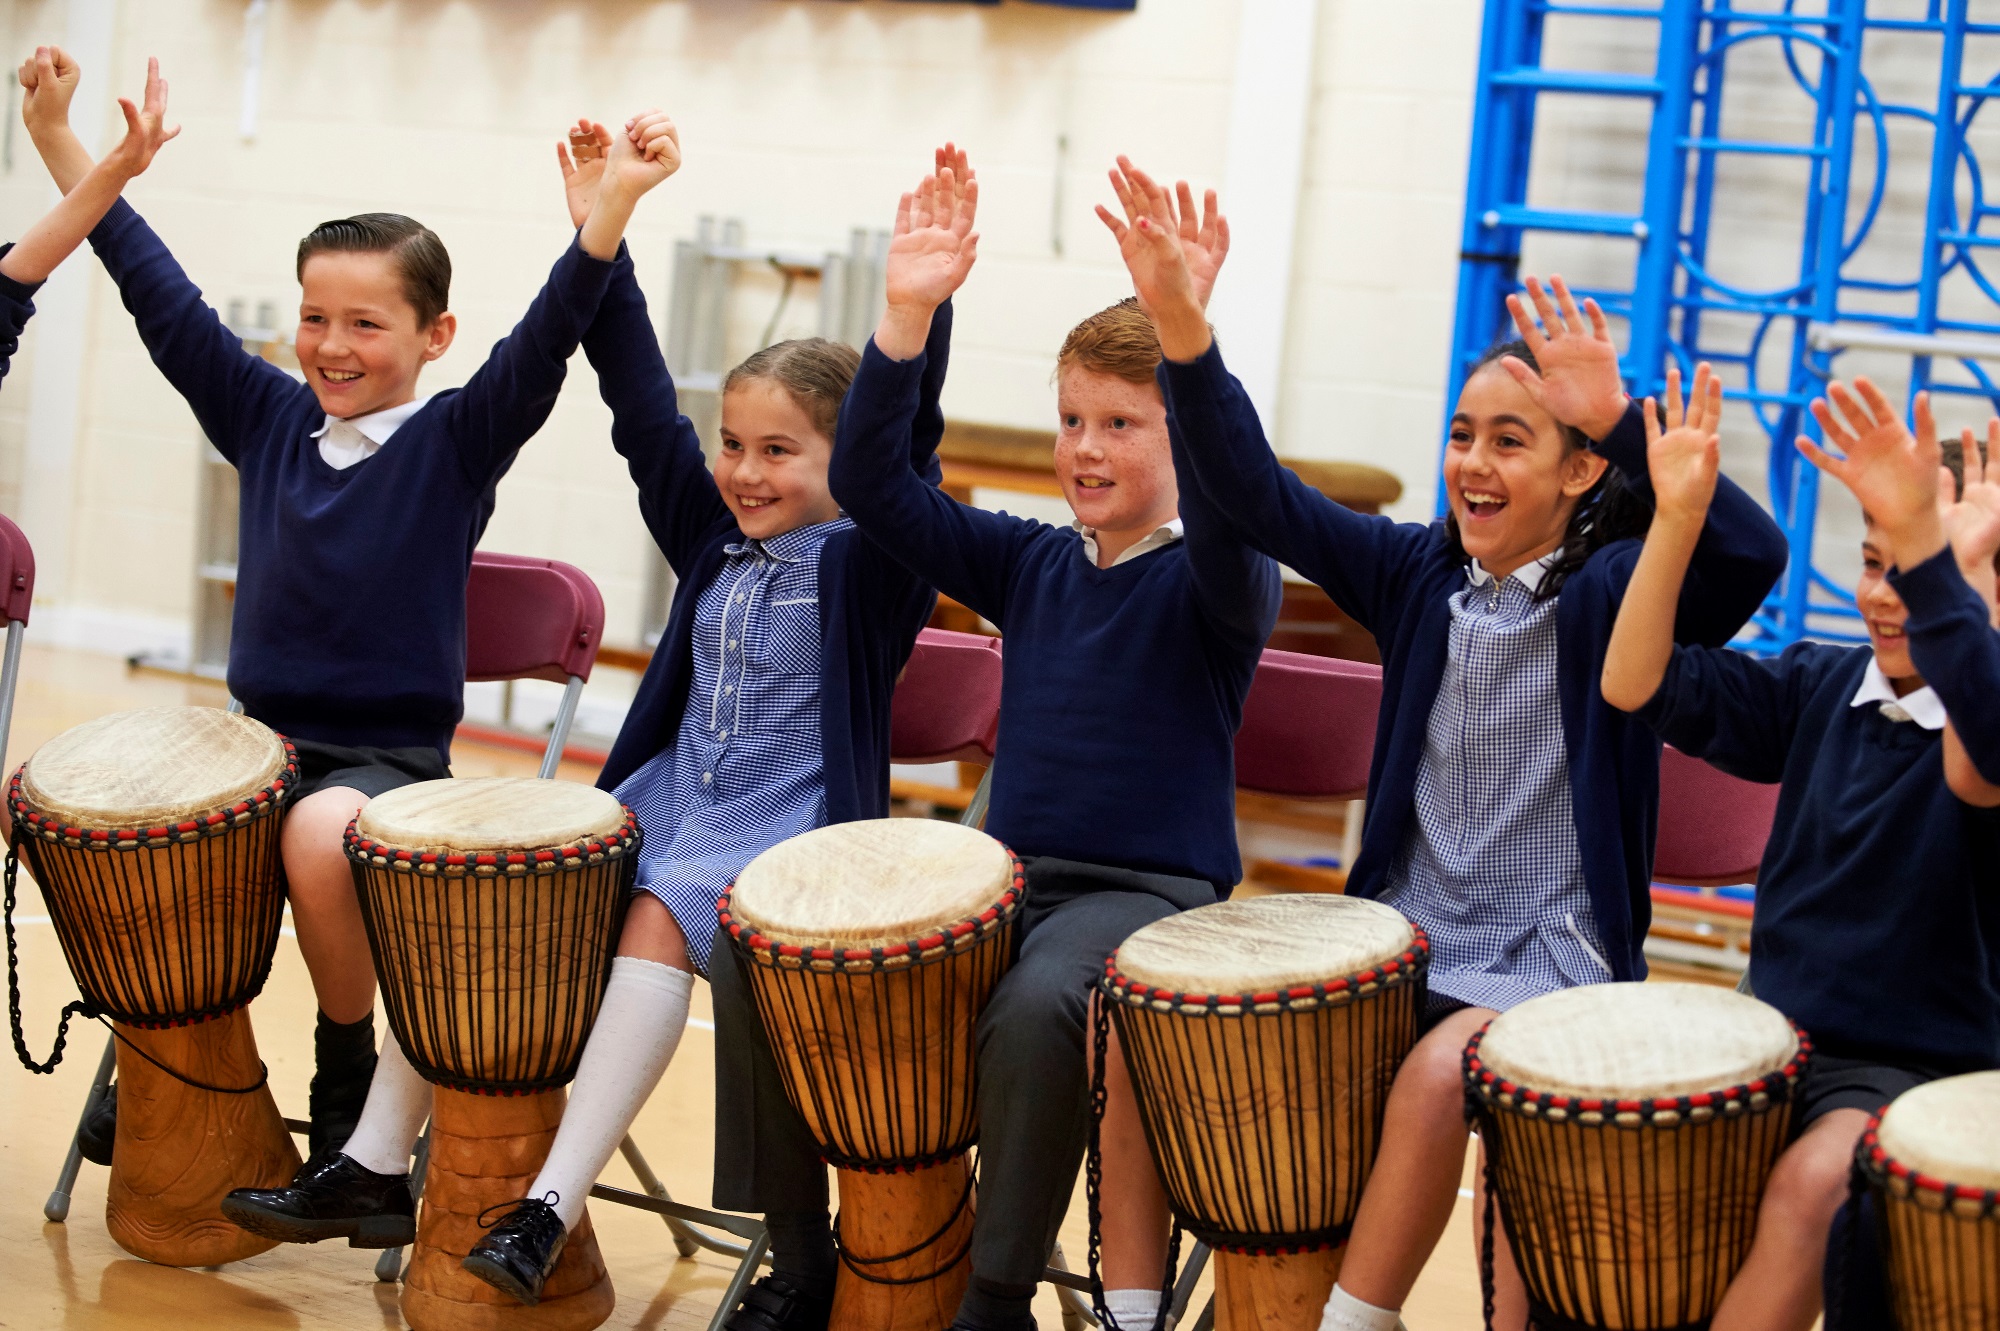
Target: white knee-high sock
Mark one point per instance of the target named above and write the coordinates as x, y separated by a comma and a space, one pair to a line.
398, 1103
1134, 1309
638, 1027
1344, 1312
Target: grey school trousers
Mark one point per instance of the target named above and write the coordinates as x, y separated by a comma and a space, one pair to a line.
1032, 1060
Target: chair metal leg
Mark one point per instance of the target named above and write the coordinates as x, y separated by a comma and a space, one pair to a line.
753, 1257
10, 674
1076, 1310
1206, 1322
975, 812
1190, 1275
685, 1242
559, 732
56, 1208
389, 1266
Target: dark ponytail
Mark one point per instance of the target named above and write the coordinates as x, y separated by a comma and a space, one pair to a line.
1608, 511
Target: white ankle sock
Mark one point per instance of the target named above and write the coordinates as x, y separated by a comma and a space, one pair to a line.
398, 1103
1344, 1312
1134, 1309
638, 1027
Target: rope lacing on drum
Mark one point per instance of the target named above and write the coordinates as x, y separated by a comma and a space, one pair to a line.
79, 1008
856, 1264
1100, 1036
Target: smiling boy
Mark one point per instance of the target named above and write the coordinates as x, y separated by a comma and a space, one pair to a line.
360, 507
1878, 899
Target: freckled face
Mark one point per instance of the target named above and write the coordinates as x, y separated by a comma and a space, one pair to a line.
1113, 459
360, 342
772, 466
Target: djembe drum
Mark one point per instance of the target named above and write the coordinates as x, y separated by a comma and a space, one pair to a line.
1262, 1037
872, 948
154, 838
1933, 1158
493, 908
1629, 1132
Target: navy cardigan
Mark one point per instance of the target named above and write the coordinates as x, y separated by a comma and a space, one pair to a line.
1397, 579
870, 607
1957, 652
17, 306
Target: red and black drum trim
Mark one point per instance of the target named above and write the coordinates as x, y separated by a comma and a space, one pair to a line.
493, 864
1487, 1089
1409, 967
944, 941
1898, 1180
215, 822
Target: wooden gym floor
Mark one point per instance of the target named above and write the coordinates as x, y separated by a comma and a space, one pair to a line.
72, 1276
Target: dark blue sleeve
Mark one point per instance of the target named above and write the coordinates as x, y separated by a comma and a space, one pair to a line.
1235, 586
509, 397
229, 389
1363, 562
1739, 558
17, 306
1735, 710
1957, 652
967, 553
677, 494
927, 430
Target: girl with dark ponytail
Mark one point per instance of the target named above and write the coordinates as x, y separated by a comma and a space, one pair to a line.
1510, 808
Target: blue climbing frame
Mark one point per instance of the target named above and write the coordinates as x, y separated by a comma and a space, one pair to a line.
1827, 305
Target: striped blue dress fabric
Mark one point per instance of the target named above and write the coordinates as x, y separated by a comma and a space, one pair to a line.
1492, 870
745, 769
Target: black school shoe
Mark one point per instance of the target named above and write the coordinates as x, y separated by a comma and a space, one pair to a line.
520, 1250
98, 1132
776, 1304
331, 1197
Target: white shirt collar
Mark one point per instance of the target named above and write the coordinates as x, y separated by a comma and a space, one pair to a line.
345, 442
1165, 535
1924, 706
1528, 575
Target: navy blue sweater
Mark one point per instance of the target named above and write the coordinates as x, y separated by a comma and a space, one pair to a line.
17, 306
870, 607
349, 625
1955, 649
1878, 902
1397, 579
1122, 688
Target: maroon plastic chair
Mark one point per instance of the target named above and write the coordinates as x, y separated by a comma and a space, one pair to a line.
947, 705
1309, 727
17, 595
531, 618
1713, 826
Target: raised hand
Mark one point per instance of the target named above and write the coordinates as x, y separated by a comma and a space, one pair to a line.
644, 155
1891, 471
1578, 383
1153, 242
1972, 520
1684, 456
931, 252
582, 161
933, 247
145, 126
48, 81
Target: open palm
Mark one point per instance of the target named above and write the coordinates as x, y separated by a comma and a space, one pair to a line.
1893, 472
1684, 457
934, 246
1972, 520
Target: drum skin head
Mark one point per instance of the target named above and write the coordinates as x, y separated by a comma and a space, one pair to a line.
1264, 943
1637, 1041
490, 813
1948, 1129
878, 881
158, 765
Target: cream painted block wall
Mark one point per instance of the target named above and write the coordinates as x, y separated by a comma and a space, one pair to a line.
803, 117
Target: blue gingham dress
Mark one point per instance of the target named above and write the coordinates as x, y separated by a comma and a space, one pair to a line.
1491, 870
745, 770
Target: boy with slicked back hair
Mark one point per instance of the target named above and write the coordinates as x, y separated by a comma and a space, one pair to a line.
360, 506
1132, 636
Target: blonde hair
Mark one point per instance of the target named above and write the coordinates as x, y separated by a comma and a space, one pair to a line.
1120, 341
814, 371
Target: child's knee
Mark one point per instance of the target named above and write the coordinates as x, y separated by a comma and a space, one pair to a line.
1811, 1178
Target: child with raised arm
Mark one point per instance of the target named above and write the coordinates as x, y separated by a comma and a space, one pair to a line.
1878, 901
1510, 810
728, 748
26, 263
1132, 636
361, 504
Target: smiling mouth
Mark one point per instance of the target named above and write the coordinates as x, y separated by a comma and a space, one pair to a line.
1093, 483
340, 376
754, 501
1892, 632
1482, 504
